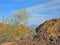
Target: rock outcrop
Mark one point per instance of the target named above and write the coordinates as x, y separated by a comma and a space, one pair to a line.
49, 32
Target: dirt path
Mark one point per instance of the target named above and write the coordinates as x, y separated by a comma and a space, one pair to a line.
10, 43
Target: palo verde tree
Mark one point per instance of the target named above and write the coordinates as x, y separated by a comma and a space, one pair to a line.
19, 17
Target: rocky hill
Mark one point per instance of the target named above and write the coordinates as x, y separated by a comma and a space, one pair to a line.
49, 31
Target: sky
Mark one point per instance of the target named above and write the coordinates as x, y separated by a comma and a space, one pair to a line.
39, 10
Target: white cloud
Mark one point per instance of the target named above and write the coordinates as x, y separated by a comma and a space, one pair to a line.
52, 8
36, 19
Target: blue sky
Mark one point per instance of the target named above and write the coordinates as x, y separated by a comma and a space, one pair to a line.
39, 10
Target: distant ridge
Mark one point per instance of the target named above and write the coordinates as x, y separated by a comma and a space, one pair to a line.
33, 26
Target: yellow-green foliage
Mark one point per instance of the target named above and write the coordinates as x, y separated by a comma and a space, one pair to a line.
9, 34
12, 33
30, 33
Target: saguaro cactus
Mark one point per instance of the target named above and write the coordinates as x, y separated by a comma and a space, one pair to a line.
3, 19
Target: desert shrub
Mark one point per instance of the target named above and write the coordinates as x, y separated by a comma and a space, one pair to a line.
29, 33
10, 34
14, 34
